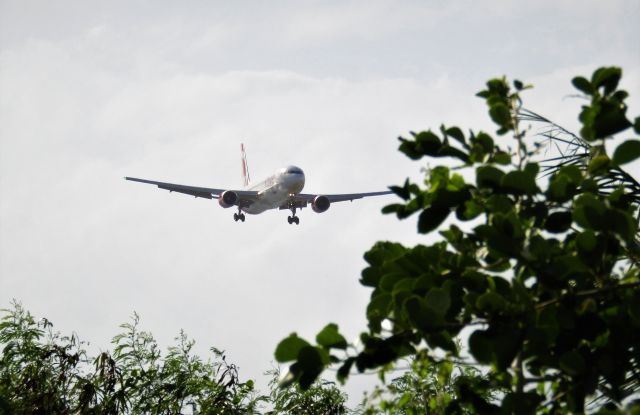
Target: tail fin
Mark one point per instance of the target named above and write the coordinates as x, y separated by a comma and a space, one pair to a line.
245, 167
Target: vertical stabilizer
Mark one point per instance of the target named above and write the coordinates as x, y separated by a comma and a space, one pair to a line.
245, 167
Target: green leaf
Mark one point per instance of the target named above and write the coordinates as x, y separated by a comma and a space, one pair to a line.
457, 134
450, 151
377, 310
488, 176
431, 218
519, 182
289, 348
490, 301
561, 188
330, 337
599, 164
607, 77
501, 157
393, 208
582, 84
438, 300
558, 222
634, 312
310, 363
481, 347
420, 315
390, 279
500, 114
586, 241
610, 119
343, 371
499, 203
626, 152
589, 212
572, 363
621, 223
428, 143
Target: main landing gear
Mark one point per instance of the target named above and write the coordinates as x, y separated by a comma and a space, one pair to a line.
238, 216
293, 218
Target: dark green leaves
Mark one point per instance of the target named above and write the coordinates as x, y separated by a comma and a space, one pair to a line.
431, 218
582, 84
488, 177
500, 113
497, 346
606, 115
309, 365
558, 222
438, 300
329, 337
499, 99
606, 78
427, 143
289, 348
572, 363
626, 152
547, 269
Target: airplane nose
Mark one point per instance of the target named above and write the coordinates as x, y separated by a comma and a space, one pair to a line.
297, 182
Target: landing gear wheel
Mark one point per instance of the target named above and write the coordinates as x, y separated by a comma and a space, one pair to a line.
293, 219
238, 216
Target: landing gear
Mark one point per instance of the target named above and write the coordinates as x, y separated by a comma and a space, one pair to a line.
238, 216
293, 218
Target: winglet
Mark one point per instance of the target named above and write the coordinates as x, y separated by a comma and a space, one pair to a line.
245, 167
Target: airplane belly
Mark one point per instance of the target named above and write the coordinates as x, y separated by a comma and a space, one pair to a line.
271, 198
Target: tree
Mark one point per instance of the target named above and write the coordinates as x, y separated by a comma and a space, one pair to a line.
536, 274
42, 372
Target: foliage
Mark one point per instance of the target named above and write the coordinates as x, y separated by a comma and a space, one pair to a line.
322, 397
42, 372
537, 275
428, 387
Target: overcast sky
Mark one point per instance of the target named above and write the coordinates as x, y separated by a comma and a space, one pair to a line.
92, 91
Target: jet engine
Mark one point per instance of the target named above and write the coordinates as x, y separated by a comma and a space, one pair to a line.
228, 198
320, 204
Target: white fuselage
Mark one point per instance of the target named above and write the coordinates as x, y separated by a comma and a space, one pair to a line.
276, 189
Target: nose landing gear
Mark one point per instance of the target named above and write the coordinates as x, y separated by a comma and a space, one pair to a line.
293, 218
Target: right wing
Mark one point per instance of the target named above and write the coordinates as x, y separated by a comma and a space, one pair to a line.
246, 197
304, 197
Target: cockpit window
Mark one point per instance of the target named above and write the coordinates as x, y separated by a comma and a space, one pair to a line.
294, 170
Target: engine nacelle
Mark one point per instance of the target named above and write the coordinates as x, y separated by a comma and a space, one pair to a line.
320, 204
228, 198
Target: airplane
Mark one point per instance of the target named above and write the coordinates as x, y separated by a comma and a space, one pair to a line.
281, 191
